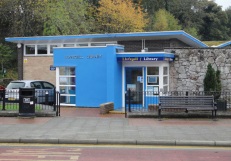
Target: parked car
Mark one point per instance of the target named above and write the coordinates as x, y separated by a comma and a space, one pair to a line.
1, 92
42, 88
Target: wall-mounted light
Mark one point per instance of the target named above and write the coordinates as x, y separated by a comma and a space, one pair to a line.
19, 45
176, 57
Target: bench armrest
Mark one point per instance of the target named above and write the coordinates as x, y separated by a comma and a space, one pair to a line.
215, 103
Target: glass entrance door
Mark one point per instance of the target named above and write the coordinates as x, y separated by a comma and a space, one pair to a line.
67, 85
134, 82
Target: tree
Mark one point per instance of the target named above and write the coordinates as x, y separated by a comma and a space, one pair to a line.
19, 18
210, 79
66, 17
5, 57
214, 26
120, 16
228, 13
164, 21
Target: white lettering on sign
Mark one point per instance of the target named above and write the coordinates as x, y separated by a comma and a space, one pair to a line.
73, 57
81, 57
94, 56
26, 100
150, 59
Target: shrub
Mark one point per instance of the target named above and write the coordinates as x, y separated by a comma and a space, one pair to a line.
212, 82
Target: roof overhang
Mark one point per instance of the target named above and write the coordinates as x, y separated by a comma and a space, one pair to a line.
161, 35
224, 44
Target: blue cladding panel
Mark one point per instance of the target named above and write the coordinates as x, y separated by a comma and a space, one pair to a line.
98, 75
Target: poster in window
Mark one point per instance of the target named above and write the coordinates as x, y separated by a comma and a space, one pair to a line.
132, 87
152, 79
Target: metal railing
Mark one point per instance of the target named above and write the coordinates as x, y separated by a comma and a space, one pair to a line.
43, 100
145, 101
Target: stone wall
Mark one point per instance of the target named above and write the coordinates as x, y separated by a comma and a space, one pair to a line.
188, 72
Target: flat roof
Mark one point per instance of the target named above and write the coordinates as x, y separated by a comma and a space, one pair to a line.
159, 35
224, 44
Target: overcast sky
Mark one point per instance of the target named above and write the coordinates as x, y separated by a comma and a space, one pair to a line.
224, 3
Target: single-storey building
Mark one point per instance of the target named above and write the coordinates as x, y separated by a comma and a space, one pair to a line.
89, 70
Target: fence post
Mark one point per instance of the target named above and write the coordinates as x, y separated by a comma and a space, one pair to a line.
4, 100
46, 97
129, 100
125, 105
54, 99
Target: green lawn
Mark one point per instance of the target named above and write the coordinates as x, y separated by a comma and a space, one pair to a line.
15, 107
213, 43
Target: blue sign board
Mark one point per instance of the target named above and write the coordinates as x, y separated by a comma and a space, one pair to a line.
52, 68
144, 59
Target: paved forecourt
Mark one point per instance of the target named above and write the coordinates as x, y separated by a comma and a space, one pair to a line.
87, 126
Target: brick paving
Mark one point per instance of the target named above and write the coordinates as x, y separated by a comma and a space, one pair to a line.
88, 126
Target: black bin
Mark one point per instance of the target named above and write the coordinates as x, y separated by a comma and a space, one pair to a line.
27, 102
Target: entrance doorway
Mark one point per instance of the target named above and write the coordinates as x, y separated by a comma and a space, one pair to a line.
66, 84
134, 82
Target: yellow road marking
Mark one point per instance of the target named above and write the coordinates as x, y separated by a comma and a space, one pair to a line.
78, 146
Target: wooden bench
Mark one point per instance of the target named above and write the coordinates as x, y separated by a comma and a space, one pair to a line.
189, 103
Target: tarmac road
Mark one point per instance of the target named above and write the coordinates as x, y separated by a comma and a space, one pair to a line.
61, 152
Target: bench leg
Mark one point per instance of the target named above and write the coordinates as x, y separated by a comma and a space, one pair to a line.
159, 114
214, 114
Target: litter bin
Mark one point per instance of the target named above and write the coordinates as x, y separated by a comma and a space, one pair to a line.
27, 102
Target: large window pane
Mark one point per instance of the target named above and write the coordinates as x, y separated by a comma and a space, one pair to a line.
69, 71
67, 80
165, 89
68, 45
67, 90
165, 71
67, 99
42, 49
52, 48
153, 70
165, 80
81, 45
30, 49
153, 80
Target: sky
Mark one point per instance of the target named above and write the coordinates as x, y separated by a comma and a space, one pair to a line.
224, 3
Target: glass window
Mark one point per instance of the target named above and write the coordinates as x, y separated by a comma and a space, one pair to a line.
52, 48
81, 45
30, 50
42, 49
36, 85
165, 80
47, 85
67, 71
67, 90
165, 89
68, 45
165, 71
67, 80
98, 44
153, 80
153, 70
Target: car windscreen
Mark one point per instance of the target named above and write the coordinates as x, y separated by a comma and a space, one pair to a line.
15, 85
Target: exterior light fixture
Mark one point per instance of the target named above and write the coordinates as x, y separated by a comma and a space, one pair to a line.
176, 57
19, 45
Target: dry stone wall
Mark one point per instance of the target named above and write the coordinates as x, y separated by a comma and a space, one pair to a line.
188, 72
